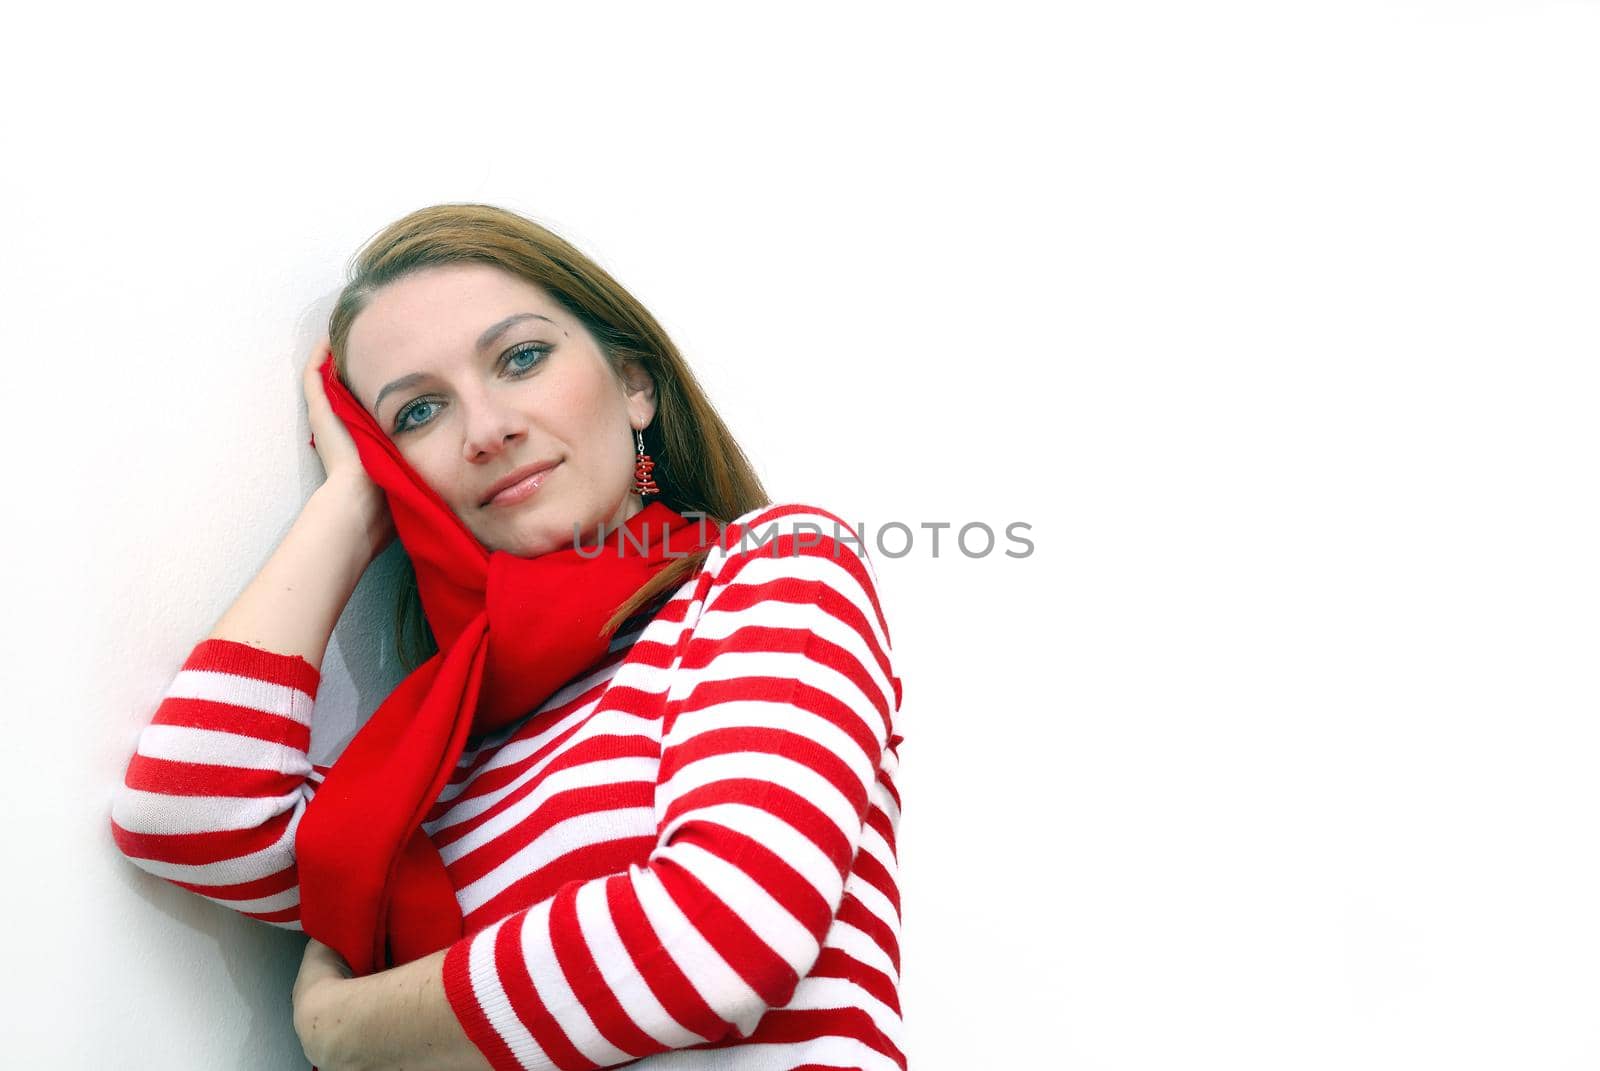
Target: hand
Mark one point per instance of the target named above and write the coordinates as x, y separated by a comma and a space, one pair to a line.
337, 450
333, 443
315, 998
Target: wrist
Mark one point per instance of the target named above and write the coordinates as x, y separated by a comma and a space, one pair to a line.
319, 1013
359, 509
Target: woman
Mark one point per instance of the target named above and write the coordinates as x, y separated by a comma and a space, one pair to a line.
636, 803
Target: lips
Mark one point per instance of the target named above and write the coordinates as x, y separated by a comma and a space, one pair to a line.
515, 478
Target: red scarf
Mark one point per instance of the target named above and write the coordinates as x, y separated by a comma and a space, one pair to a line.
511, 631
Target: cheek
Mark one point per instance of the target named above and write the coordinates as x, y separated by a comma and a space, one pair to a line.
587, 410
432, 459
434, 471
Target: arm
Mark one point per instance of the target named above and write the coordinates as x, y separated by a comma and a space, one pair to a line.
294, 602
394, 1018
220, 777
780, 709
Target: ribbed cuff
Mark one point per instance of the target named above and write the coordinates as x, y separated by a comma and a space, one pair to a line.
464, 1003
231, 656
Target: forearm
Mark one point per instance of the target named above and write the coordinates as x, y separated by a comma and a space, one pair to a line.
211, 794
293, 603
394, 1018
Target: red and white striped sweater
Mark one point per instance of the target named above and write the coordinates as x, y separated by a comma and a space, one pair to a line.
684, 859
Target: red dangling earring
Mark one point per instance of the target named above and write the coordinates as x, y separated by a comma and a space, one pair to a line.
642, 483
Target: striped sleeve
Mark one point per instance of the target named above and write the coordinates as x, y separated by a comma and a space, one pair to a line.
215, 790
776, 721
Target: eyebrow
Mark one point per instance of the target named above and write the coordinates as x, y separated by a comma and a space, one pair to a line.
485, 340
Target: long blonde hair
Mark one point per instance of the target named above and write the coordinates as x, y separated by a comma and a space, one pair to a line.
699, 465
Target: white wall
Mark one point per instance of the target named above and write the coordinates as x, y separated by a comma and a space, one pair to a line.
1274, 320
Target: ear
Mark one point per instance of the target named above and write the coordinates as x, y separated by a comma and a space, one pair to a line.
639, 387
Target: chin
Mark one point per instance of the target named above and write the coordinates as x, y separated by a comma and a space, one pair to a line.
545, 537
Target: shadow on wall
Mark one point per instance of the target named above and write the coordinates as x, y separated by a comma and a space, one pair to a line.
361, 667
261, 961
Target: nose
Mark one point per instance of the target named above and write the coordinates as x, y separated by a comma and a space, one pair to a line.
490, 427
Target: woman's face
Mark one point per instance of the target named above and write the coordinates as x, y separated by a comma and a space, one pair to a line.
478, 375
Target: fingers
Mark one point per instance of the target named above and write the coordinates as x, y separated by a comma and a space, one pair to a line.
318, 352
311, 380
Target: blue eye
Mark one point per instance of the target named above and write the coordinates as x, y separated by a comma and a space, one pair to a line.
536, 349
400, 418
534, 352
